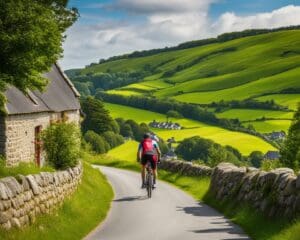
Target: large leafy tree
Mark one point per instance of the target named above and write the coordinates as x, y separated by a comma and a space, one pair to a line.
97, 118
290, 153
31, 36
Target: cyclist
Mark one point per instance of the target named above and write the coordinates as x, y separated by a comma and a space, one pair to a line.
148, 151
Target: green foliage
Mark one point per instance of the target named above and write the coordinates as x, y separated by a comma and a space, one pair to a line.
173, 114
98, 144
132, 129
31, 36
61, 142
197, 148
113, 139
256, 158
290, 153
96, 118
268, 165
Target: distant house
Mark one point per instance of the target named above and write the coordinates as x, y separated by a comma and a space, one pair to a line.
276, 135
165, 125
28, 114
272, 155
170, 155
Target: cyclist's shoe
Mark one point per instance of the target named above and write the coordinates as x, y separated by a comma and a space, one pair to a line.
143, 185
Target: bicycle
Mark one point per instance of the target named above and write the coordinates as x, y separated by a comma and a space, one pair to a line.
149, 179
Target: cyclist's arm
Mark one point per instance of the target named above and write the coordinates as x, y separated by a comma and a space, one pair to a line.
158, 151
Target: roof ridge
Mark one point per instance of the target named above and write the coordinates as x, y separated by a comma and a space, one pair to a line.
68, 81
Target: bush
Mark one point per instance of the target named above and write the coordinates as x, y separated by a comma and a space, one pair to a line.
61, 142
268, 165
98, 144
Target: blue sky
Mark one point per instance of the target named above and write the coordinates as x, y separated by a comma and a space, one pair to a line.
112, 27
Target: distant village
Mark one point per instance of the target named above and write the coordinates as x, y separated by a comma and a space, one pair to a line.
165, 125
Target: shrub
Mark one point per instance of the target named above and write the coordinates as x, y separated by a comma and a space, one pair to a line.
98, 144
61, 142
268, 165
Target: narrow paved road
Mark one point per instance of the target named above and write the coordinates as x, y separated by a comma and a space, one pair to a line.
169, 215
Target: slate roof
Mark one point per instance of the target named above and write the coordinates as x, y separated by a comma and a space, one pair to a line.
272, 155
60, 95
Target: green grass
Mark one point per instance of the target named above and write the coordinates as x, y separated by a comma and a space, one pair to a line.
244, 142
125, 92
252, 114
289, 100
255, 224
270, 125
23, 169
78, 216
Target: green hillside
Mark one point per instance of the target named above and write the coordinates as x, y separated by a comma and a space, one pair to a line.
242, 68
264, 67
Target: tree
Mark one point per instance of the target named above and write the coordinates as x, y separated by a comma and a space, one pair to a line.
256, 158
173, 114
31, 36
113, 139
99, 145
97, 118
290, 152
126, 130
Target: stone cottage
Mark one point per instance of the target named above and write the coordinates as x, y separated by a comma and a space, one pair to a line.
28, 114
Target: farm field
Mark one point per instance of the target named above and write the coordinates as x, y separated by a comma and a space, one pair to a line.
125, 92
289, 100
244, 142
252, 114
270, 125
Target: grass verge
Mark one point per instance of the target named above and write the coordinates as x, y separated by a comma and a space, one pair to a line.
254, 224
22, 168
79, 214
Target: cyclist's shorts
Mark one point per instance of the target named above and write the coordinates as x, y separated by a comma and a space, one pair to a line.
151, 159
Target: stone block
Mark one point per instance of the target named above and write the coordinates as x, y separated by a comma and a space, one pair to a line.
15, 223
3, 192
4, 217
33, 185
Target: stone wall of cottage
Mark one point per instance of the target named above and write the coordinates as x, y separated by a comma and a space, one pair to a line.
18, 134
23, 198
274, 193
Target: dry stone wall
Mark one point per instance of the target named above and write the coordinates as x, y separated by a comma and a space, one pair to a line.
25, 197
274, 193
185, 168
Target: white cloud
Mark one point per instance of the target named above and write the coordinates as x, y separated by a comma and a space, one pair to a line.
289, 15
89, 43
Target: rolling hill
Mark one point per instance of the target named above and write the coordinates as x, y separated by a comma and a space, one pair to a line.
238, 69
263, 67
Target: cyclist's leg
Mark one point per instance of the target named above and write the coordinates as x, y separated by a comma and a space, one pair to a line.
154, 168
143, 172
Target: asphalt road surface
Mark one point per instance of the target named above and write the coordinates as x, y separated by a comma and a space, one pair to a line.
170, 214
